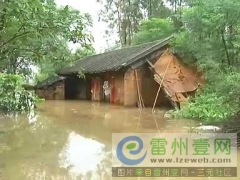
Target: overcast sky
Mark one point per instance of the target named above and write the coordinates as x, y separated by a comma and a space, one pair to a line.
98, 30
91, 7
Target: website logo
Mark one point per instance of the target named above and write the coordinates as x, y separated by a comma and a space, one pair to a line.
174, 155
131, 149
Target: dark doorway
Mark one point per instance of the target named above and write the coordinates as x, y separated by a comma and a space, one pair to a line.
76, 88
88, 89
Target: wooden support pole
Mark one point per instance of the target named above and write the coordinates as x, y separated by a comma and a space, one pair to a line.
142, 100
139, 120
156, 124
161, 84
139, 93
139, 98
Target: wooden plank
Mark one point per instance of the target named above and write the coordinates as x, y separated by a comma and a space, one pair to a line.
139, 98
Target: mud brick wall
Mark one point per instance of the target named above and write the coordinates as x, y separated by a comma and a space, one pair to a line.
130, 89
53, 92
119, 89
40, 93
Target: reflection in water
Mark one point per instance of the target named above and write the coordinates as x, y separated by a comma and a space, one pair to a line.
32, 118
72, 140
81, 155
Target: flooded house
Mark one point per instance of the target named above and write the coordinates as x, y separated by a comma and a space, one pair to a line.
143, 75
51, 88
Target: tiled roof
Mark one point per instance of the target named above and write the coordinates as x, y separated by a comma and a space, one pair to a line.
49, 81
114, 60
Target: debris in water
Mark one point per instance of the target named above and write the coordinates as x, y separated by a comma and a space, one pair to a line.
208, 128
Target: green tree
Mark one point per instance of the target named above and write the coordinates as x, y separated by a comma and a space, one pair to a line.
36, 31
211, 31
124, 16
82, 52
63, 58
210, 37
155, 9
177, 7
153, 29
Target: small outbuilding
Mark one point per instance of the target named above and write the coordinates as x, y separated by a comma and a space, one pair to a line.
51, 88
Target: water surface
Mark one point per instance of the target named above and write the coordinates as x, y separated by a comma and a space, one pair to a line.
72, 140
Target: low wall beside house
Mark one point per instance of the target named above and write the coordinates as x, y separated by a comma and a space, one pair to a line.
52, 92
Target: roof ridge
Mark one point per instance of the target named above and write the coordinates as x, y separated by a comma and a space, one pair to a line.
50, 79
135, 46
146, 50
116, 59
127, 47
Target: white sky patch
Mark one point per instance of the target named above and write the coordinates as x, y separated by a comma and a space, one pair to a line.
98, 29
91, 7
82, 155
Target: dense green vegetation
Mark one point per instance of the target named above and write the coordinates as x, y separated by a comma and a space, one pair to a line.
36, 33
211, 37
153, 29
206, 33
13, 97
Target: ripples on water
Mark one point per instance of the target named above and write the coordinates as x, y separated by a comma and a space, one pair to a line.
72, 139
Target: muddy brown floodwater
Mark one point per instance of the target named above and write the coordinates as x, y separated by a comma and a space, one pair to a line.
68, 140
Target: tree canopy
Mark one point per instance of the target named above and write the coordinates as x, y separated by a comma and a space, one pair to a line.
37, 32
153, 29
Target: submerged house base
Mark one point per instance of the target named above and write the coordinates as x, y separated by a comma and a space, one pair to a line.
51, 88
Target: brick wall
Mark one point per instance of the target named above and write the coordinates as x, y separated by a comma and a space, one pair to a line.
53, 92
130, 89
119, 89
40, 93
